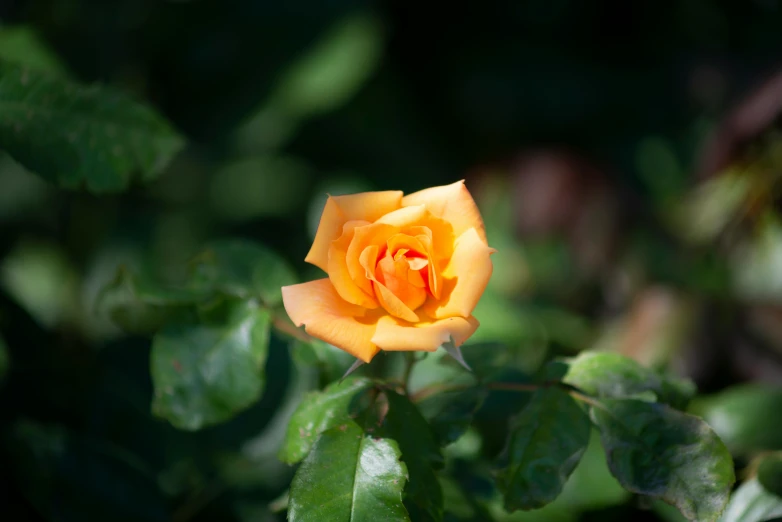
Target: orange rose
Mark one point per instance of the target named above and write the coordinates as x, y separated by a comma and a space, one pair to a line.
404, 272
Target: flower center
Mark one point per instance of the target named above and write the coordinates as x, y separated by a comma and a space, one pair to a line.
400, 273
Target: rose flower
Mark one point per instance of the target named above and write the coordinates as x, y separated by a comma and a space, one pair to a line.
404, 272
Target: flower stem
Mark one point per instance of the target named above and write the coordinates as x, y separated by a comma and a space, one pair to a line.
429, 391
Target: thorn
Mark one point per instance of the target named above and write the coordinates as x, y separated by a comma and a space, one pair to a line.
456, 352
353, 368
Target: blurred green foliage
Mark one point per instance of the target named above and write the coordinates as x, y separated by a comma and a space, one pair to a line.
629, 178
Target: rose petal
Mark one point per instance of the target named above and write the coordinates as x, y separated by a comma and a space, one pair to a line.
432, 270
406, 243
339, 273
366, 206
453, 203
464, 278
405, 216
328, 317
395, 277
394, 335
375, 234
391, 303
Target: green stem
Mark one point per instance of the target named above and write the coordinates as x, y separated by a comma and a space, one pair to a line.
429, 391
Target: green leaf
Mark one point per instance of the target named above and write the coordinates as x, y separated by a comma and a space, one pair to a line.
770, 474
140, 306
334, 70
752, 503
546, 443
23, 45
330, 361
610, 375
243, 269
349, 476
420, 452
320, 411
452, 413
655, 450
204, 374
740, 416
74, 135
456, 500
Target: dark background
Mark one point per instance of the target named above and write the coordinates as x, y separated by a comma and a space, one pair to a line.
576, 124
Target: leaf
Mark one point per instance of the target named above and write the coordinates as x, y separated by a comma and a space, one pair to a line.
704, 213
755, 262
752, 503
318, 412
655, 450
770, 474
605, 374
740, 416
330, 361
452, 413
204, 374
420, 452
23, 45
456, 501
349, 476
591, 485
74, 135
243, 269
139, 306
333, 71
546, 443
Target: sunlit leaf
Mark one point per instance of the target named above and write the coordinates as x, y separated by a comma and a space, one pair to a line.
318, 412
420, 452
756, 263
349, 476
605, 374
705, 213
203, 373
658, 451
740, 416
546, 443
74, 135
752, 503
243, 269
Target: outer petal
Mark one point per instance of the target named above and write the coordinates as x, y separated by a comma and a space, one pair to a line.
395, 335
404, 217
366, 206
328, 317
464, 278
453, 203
